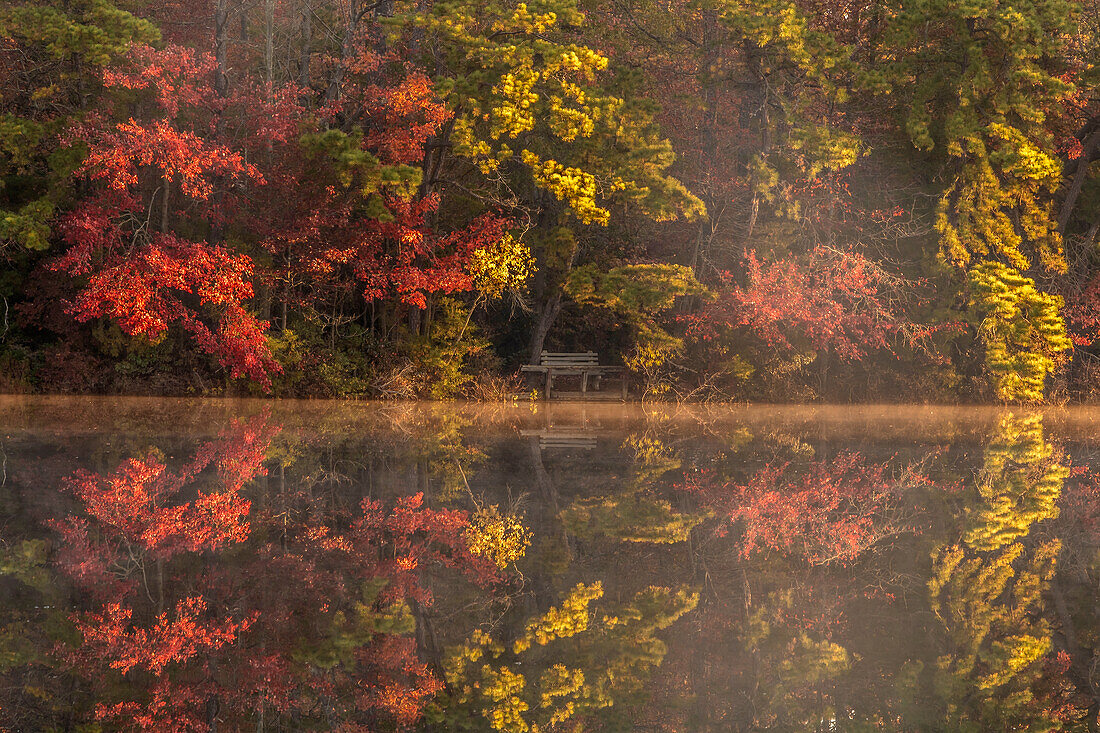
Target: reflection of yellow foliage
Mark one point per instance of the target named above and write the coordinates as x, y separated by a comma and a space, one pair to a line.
501, 538
568, 619
502, 687
1020, 483
989, 606
560, 681
588, 663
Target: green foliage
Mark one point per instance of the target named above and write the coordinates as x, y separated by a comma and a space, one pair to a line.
355, 167
1021, 327
979, 83
793, 662
67, 45
638, 294
94, 31
442, 356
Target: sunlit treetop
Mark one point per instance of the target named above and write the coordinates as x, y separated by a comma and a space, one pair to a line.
526, 94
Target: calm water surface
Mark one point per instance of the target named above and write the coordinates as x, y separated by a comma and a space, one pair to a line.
179, 565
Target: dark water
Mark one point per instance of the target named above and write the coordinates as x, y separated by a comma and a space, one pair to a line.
175, 565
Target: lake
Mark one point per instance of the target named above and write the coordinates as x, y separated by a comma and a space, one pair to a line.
274, 566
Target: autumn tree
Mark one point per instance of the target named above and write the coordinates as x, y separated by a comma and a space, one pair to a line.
553, 133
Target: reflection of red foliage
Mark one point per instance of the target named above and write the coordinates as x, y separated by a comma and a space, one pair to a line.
307, 617
136, 509
108, 636
829, 299
833, 511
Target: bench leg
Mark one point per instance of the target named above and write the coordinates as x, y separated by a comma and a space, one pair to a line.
584, 382
549, 384
625, 385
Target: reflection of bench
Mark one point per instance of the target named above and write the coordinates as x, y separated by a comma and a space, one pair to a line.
584, 365
582, 440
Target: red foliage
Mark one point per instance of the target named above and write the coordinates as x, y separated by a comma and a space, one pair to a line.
1082, 314
828, 300
833, 511
147, 280
136, 510
147, 287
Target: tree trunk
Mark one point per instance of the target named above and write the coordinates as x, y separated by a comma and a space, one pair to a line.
336, 79
1088, 147
546, 319
221, 47
269, 46
307, 37
221, 86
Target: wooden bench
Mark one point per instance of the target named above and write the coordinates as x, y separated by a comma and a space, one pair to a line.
582, 364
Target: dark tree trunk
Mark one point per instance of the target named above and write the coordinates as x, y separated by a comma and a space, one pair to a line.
221, 86
546, 319
307, 35
1088, 148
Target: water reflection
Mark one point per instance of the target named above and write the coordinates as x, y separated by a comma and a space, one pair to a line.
199, 566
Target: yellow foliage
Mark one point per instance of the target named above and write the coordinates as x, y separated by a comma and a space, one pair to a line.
1020, 483
505, 265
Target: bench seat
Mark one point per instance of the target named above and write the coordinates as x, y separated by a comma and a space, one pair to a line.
583, 364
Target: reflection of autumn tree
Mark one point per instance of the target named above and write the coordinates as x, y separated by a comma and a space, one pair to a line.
832, 511
443, 455
1020, 484
633, 513
568, 666
142, 512
257, 618
987, 591
1073, 599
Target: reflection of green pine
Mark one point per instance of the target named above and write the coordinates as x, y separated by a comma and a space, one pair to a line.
629, 518
355, 628
792, 664
630, 515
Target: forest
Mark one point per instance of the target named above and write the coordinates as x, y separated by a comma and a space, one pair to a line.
775, 200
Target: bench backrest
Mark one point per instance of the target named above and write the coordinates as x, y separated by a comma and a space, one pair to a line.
583, 358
